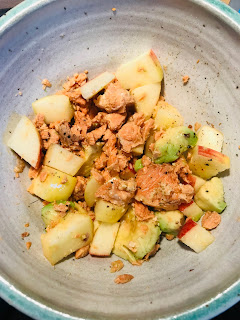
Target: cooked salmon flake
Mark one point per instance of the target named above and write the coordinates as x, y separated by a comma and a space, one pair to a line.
169, 237
158, 186
197, 126
116, 266
25, 234
82, 252
185, 79
28, 245
46, 83
123, 278
211, 220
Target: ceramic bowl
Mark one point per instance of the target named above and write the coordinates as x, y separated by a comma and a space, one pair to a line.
53, 39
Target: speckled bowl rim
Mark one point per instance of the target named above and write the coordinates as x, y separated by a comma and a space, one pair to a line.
36, 310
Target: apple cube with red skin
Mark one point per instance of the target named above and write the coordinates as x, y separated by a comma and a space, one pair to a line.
191, 210
207, 163
104, 238
195, 236
196, 182
26, 142
209, 137
145, 69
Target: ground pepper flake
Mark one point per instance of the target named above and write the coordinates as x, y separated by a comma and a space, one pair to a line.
123, 278
26, 225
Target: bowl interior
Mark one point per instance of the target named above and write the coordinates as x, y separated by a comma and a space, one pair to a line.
64, 37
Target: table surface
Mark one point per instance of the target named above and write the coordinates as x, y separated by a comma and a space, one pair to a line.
10, 313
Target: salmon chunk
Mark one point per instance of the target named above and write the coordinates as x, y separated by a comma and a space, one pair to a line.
117, 191
114, 99
135, 132
158, 186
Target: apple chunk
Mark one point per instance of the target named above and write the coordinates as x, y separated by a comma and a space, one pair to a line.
143, 70
104, 239
25, 141
209, 137
146, 98
54, 108
191, 210
90, 190
63, 160
210, 197
92, 87
51, 185
166, 116
207, 163
196, 182
108, 212
73, 233
195, 236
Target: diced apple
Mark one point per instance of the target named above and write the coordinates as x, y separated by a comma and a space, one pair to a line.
146, 98
195, 236
96, 225
63, 160
196, 182
103, 240
91, 88
51, 185
25, 141
90, 190
191, 210
209, 137
166, 116
207, 163
137, 151
143, 70
210, 197
54, 108
108, 212
73, 233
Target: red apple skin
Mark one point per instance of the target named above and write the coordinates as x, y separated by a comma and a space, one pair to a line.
186, 228
207, 152
192, 180
183, 206
154, 57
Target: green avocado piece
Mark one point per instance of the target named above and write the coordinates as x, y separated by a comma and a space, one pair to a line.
173, 143
138, 165
170, 221
51, 216
210, 197
142, 235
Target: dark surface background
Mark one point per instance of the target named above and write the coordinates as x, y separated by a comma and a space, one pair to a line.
7, 312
